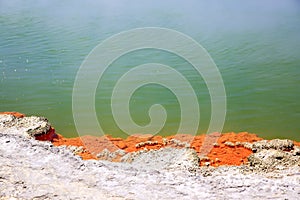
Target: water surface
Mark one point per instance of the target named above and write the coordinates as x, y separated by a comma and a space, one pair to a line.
255, 44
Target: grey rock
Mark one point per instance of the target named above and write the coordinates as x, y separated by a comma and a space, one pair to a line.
270, 159
296, 151
276, 144
75, 149
274, 154
230, 144
175, 143
216, 144
29, 126
247, 145
204, 158
6, 120
106, 155
142, 144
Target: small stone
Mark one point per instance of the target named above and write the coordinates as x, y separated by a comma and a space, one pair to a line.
187, 145
216, 145
276, 144
204, 158
247, 145
230, 144
79, 149
239, 144
296, 151
164, 141
279, 155
120, 152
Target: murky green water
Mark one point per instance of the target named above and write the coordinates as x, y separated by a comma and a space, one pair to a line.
255, 44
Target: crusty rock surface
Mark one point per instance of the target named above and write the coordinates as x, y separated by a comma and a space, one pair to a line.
29, 126
165, 158
276, 144
273, 159
31, 169
274, 154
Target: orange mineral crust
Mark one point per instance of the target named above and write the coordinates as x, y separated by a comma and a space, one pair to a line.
228, 150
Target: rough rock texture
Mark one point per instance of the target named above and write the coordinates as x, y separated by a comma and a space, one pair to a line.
274, 154
165, 158
31, 169
30, 126
276, 144
273, 159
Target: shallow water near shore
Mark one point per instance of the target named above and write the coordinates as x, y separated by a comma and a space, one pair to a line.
255, 45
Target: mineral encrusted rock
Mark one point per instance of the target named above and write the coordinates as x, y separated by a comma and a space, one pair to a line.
175, 143
230, 144
296, 151
142, 144
110, 156
29, 126
274, 154
276, 144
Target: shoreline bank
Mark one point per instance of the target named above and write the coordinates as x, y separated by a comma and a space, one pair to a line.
36, 163
228, 148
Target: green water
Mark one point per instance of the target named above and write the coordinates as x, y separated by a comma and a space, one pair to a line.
255, 44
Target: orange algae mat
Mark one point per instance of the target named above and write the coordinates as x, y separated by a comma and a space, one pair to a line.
220, 153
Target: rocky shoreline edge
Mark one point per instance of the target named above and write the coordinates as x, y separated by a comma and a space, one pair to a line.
37, 163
